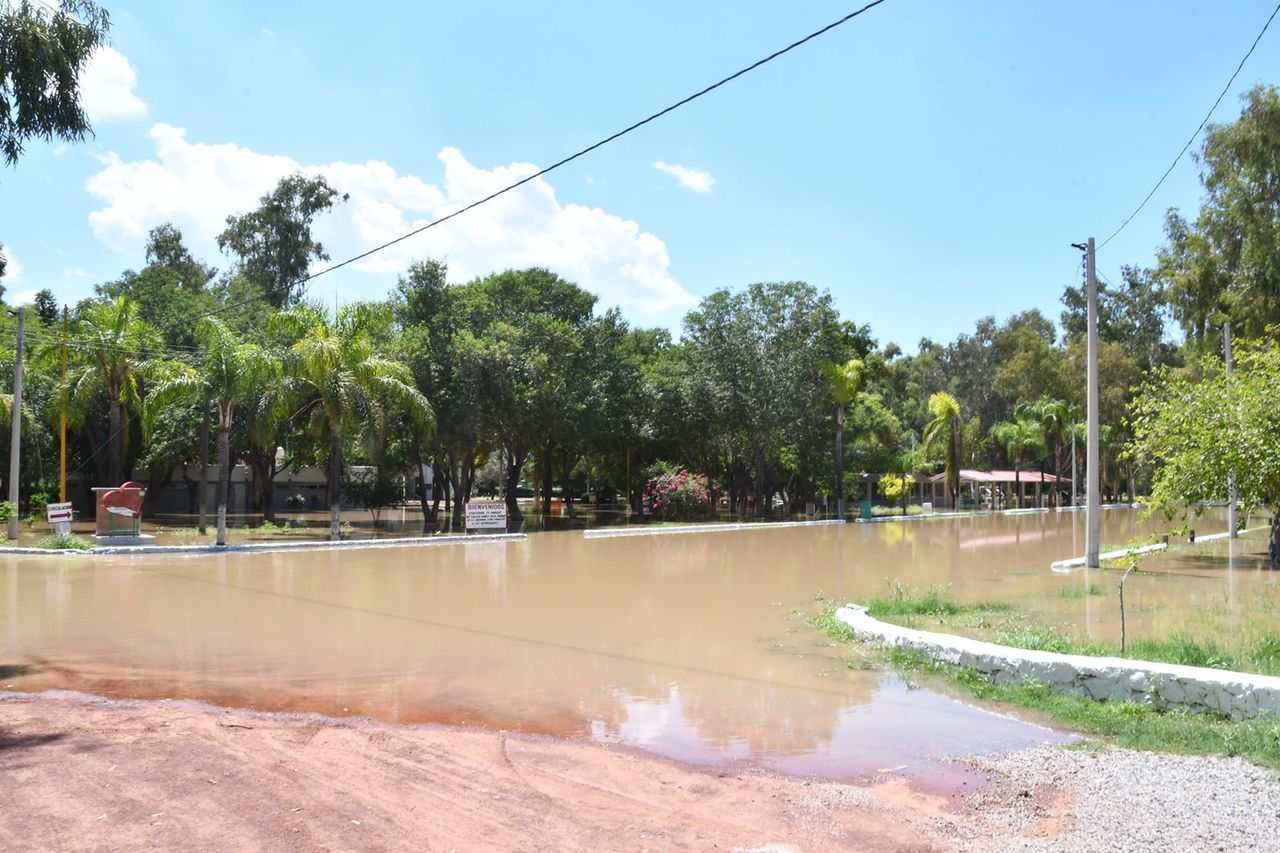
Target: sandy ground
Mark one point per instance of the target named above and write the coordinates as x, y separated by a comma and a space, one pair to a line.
84, 773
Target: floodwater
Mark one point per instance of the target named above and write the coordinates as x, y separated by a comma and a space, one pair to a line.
693, 646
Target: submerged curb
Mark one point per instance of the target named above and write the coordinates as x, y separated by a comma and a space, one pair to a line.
1239, 695
259, 547
614, 533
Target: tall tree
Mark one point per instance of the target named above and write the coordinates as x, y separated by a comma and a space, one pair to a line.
274, 243
112, 347
1225, 263
1018, 438
228, 372
42, 54
844, 381
942, 437
339, 380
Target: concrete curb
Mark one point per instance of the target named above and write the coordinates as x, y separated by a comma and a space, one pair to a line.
1238, 695
1076, 562
615, 533
262, 547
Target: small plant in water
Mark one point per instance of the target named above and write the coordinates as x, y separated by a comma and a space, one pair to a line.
64, 542
346, 528
269, 528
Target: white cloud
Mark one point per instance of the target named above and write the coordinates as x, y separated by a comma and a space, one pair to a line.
22, 297
106, 87
698, 180
76, 272
198, 185
267, 32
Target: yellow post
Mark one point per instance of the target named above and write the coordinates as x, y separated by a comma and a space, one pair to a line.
62, 417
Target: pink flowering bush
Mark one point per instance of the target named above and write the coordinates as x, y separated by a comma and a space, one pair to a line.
680, 496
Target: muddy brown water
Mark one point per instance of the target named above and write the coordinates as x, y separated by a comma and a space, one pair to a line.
692, 646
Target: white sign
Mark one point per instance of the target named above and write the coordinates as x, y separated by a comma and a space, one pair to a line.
58, 512
486, 515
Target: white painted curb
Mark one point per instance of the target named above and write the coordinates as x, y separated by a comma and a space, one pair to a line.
616, 532
260, 547
1239, 695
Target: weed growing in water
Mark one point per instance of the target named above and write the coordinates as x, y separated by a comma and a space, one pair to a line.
1077, 592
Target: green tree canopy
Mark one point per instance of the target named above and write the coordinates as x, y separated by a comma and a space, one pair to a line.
42, 53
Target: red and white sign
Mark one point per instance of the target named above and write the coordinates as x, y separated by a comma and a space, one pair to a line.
58, 512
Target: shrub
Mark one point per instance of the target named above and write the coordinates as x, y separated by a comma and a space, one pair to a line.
680, 495
64, 542
295, 501
7, 510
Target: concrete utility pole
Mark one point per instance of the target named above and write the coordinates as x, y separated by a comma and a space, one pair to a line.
1074, 480
1232, 496
1093, 498
15, 433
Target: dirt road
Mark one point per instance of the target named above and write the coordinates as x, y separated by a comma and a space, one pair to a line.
82, 773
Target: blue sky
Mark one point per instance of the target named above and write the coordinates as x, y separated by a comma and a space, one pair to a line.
928, 162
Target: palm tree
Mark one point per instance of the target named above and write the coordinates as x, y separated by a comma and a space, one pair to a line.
942, 435
1019, 438
332, 371
844, 381
1054, 418
229, 372
110, 345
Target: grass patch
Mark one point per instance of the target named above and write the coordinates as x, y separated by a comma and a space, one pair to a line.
934, 601
1127, 724
1074, 593
886, 511
64, 542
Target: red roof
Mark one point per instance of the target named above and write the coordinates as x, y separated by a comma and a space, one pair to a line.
970, 475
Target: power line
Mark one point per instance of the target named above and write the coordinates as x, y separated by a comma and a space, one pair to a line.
565, 161
641, 123
1208, 115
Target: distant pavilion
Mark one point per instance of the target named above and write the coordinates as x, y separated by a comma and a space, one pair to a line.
996, 484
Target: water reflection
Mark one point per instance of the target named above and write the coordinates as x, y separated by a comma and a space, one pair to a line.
693, 646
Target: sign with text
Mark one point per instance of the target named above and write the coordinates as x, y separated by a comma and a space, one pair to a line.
486, 515
58, 512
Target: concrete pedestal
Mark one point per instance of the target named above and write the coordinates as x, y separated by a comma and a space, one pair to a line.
110, 541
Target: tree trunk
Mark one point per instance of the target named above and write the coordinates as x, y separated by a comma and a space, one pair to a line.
839, 461
455, 485
759, 483
566, 467
224, 480
114, 443
512, 483
1275, 539
546, 481
1017, 486
262, 463
335, 482
203, 496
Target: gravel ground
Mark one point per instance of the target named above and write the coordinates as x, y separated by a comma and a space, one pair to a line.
1051, 798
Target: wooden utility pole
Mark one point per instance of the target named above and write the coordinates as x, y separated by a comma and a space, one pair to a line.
15, 432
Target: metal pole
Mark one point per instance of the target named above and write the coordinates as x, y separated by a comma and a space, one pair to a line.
1093, 498
62, 414
1232, 496
15, 434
